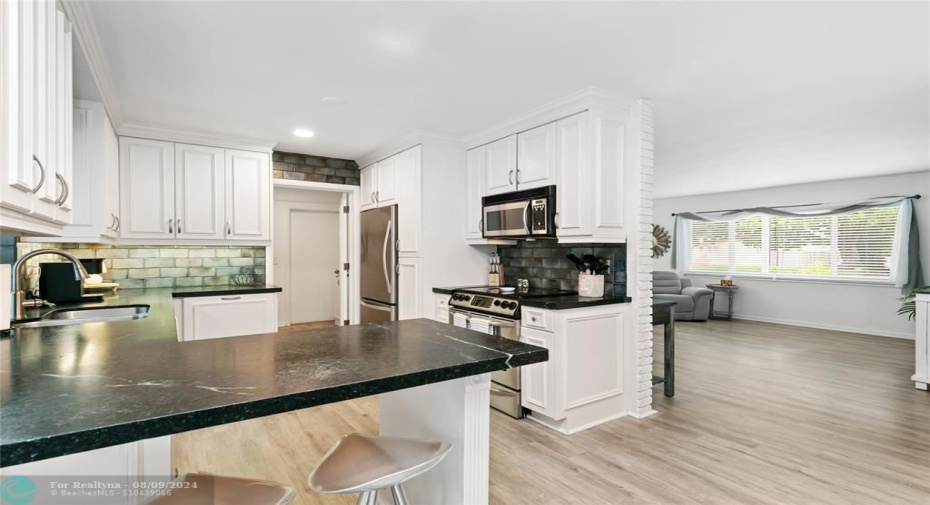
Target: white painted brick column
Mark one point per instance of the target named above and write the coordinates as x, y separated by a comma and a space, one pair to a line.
642, 122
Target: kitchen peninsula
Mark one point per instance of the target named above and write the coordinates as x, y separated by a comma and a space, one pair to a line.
121, 382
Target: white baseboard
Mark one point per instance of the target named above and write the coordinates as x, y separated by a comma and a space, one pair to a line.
821, 326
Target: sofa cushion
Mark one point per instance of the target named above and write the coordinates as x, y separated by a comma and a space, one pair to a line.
683, 303
666, 283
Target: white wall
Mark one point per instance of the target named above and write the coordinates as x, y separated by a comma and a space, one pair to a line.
846, 307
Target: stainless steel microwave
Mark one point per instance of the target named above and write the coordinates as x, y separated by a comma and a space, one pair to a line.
521, 214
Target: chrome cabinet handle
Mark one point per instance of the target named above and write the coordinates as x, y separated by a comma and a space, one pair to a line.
112, 222
179, 226
372, 197
510, 177
41, 179
171, 226
61, 194
377, 196
230, 298
533, 319
518, 176
228, 228
119, 223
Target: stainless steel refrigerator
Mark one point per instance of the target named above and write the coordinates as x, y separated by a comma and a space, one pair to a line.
379, 265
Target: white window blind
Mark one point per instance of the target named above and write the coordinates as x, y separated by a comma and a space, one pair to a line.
854, 246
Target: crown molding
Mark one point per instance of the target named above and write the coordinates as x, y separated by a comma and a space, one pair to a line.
83, 27
584, 99
406, 142
129, 129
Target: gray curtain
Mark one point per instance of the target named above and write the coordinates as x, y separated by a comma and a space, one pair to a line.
911, 274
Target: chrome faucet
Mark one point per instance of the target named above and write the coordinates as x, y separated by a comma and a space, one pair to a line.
19, 296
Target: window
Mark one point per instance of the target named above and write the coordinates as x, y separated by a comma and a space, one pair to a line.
854, 246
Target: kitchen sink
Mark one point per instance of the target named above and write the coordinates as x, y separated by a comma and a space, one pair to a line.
63, 317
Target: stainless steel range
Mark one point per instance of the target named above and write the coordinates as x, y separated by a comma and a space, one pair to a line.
496, 311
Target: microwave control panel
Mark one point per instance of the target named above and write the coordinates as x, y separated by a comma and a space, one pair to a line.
539, 216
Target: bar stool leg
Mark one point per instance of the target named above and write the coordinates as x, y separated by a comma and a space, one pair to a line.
400, 498
368, 498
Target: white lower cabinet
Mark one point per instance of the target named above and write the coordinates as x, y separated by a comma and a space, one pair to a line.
232, 315
921, 375
581, 385
127, 464
408, 280
441, 310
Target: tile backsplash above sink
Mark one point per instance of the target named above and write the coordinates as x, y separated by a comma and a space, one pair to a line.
167, 266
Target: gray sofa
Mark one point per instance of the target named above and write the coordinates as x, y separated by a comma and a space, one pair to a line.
692, 303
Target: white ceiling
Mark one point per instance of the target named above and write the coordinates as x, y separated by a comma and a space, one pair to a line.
747, 95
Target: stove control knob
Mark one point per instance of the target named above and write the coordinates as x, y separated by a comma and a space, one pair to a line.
497, 303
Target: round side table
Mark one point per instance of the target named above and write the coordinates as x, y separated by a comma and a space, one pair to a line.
730, 291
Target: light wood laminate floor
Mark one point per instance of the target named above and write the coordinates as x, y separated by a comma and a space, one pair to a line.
763, 413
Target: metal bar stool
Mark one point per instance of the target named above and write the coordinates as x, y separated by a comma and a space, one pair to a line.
367, 464
209, 489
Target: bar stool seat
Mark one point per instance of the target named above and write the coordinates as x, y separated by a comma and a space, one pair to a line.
366, 464
209, 489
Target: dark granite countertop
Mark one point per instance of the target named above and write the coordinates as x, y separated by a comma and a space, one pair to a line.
70, 389
223, 290
918, 291
573, 302
448, 291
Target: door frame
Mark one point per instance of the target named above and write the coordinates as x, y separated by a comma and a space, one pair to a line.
354, 252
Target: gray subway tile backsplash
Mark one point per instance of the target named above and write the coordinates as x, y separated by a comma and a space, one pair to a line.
544, 264
167, 266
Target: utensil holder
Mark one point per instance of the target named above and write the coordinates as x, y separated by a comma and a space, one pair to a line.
590, 286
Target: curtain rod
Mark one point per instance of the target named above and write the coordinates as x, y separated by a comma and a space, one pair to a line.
915, 197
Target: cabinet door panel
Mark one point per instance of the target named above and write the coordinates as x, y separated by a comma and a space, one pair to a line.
594, 358
474, 191
501, 166
539, 380
146, 188
19, 172
386, 190
575, 173
229, 316
368, 185
406, 168
408, 280
536, 157
200, 189
65, 105
248, 195
43, 115
608, 163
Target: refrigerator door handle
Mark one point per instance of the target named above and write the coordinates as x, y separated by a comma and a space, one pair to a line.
384, 250
382, 308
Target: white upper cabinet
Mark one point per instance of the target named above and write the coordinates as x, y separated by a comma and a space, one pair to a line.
501, 166
368, 186
200, 192
536, 157
191, 192
574, 213
248, 195
35, 112
386, 191
95, 188
406, 181
474, 191
146, 188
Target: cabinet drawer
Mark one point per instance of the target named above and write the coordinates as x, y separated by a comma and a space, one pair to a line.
228, 316
536, 318
442, 301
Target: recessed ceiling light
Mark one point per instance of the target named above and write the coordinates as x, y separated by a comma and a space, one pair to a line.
303, 133
332, 100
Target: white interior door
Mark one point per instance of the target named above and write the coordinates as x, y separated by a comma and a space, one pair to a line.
314, 255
